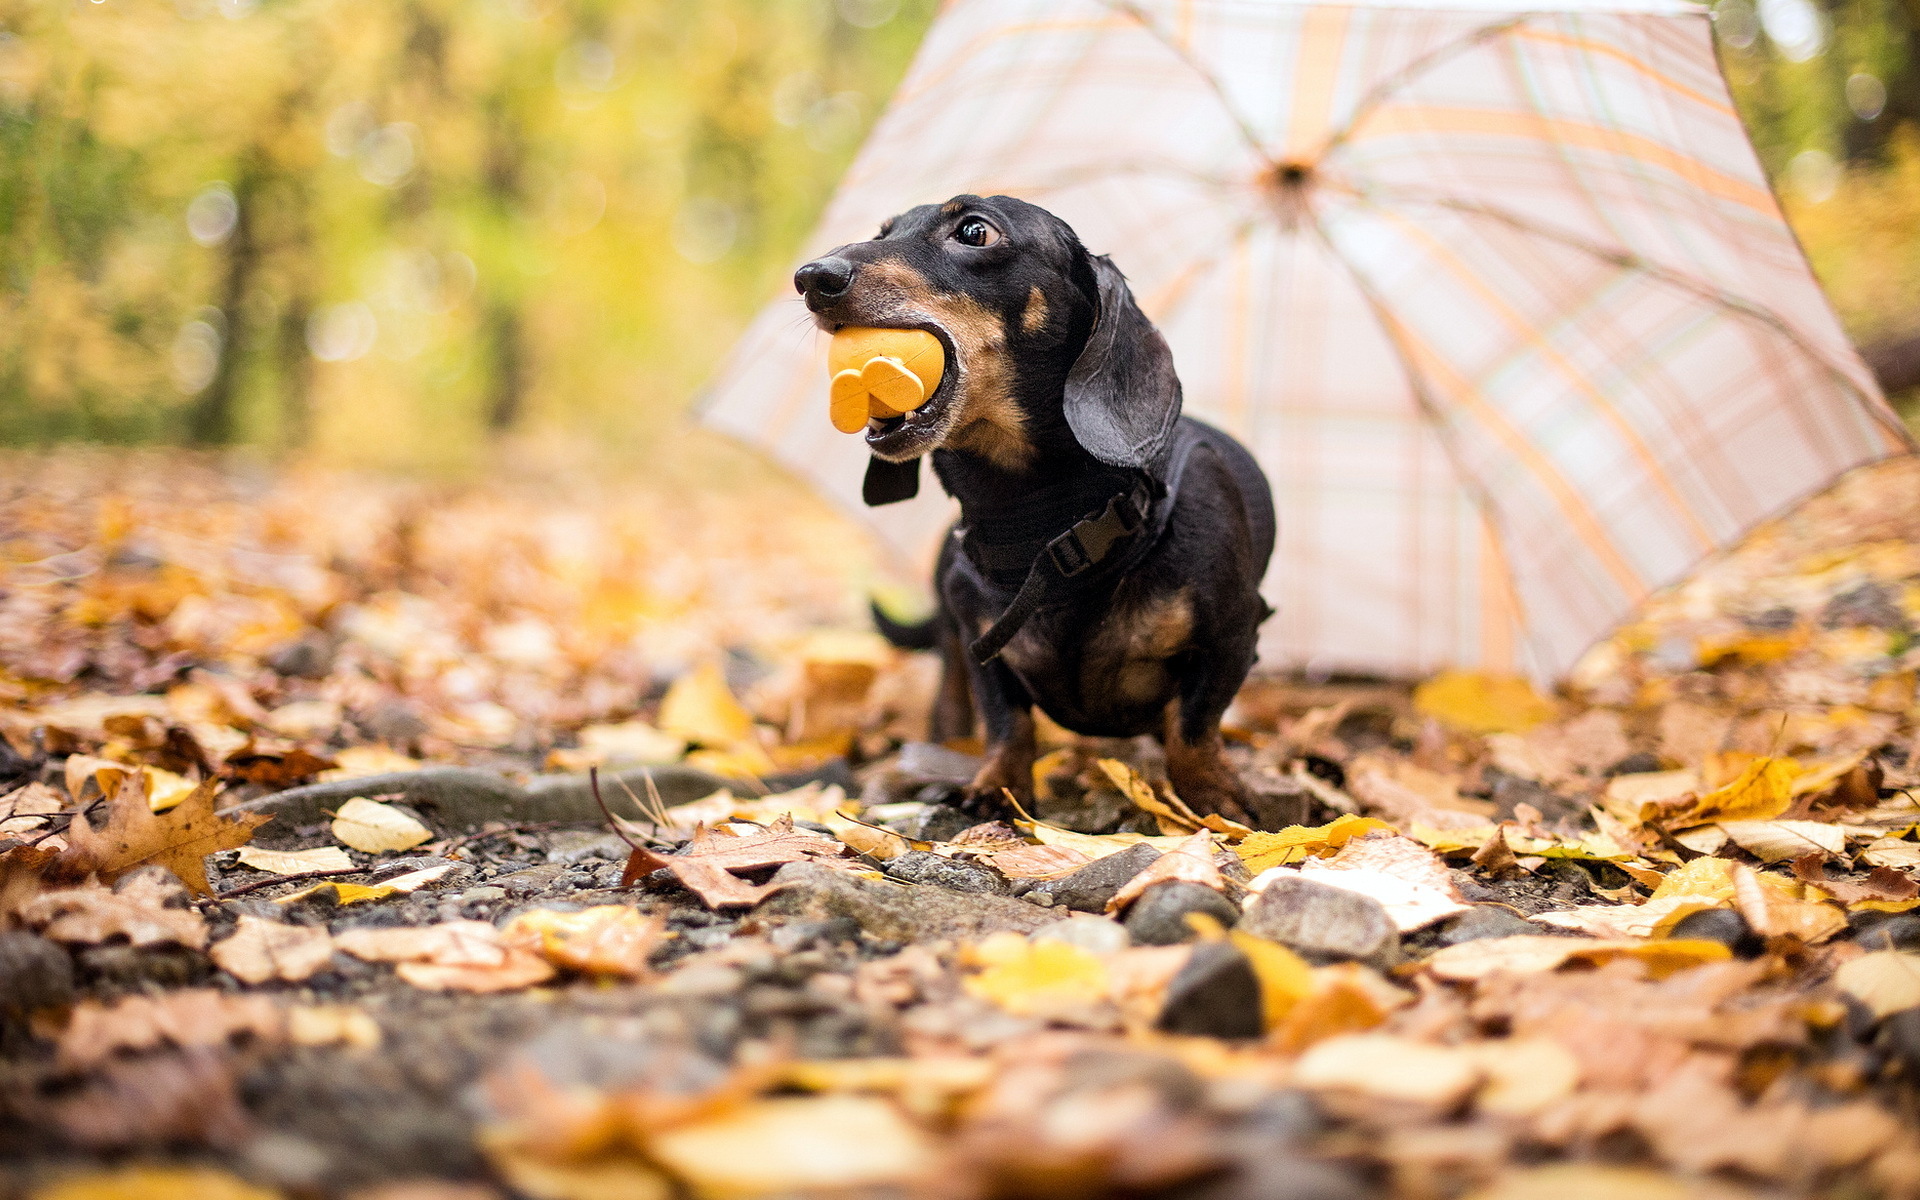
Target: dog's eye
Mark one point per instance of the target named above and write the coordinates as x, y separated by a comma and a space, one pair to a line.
975, 232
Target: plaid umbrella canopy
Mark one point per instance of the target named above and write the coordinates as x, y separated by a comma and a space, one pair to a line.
1500, 298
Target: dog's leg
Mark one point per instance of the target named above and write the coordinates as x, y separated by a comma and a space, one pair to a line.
953, 706
1007, 710
1196, 756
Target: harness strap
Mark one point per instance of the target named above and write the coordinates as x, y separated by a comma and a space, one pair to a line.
1052, 573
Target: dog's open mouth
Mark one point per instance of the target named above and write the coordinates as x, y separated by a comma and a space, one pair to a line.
889, 436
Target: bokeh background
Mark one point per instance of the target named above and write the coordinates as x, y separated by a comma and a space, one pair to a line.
406, 233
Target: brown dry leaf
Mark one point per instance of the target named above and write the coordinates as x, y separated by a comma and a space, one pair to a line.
705, 866
1174, 817
1886, 981
260, 950
183, 1098
463, 956
1881, 883
1189, 862
608, 939
26, 809
91, 914
1037, 862
179, 839
190, 1018
1651, 919
375, 828
1408, 795
1408, 879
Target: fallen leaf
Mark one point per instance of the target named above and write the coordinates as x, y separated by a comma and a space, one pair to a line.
277, 771
357, 762
1886, 981
1897, 853
26, 809
1037, 862
1881, 884
189, 1018
375, 828
1711, 878
1761, 792
260, 950
1285, 978
705, 865
1040, 979
1777, 907
608, 939
1388, 1067
1174, 817
1651, 919
295, 862
699, 708
186, 1097
1346, 998
1780, 841
91, 914
1475, 702
1524, 1076
1408, 879
796, 1144
332, 1025
155, 1183
464, 956
1530, 955
179, 839
1189, 862
343, 893
1260, 851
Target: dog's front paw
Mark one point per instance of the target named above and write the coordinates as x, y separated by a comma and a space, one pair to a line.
1000, 775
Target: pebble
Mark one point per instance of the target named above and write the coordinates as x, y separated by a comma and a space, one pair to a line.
1089, 888
937, 823
1159, 916
484, 892
533, 879
1484, 921
895, 911
34, 973
921, 866
1101, 935
1725, 926
1215, 995
1899, 932
1321, 922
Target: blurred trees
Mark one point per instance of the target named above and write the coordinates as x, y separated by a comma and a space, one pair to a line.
391, 229
397, 226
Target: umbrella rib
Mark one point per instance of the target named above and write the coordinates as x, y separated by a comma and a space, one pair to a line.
1377, 95
1180, 51
1634, 262
1422, 397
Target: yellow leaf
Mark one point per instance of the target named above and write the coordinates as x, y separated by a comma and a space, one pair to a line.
1285, 978
359, 761
699, 708
1886, 981
344, 893
796, 1144
1482, 703
608, 939
1036, 978
1260, 851
1781, 841
155, 1183
1762, 791
1709, 877
375, 828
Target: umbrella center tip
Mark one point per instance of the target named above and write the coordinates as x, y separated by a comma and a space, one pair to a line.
1292, 174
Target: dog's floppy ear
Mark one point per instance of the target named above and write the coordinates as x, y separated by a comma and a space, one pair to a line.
1122, 395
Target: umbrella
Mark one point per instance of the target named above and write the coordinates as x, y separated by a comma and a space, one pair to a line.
1500, 298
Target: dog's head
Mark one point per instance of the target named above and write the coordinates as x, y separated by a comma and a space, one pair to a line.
1043, 340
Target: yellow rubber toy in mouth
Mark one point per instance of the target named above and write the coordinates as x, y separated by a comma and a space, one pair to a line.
881, 373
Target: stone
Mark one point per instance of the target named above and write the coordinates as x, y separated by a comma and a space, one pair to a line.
1215, 995
1898, 931
937, 823
1101, 935
1159, 916
894, 911
1089, 888
394, 868
578, 845
1323, 923
1731, 930
921, 866
533, 879
34, 973
135, 968
925, 762
485, 892
1484, 921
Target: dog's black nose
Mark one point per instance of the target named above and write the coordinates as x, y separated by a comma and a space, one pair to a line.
823, 278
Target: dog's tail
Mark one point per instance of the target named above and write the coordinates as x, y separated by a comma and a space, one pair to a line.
922, 635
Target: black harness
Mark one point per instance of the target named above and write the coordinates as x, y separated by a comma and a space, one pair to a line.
1053, 543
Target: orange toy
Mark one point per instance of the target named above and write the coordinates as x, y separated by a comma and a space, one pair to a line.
881, 373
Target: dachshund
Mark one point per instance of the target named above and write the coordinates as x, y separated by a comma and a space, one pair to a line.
1107, 561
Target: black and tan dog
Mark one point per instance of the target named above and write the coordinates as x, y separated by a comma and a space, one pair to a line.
1109, 553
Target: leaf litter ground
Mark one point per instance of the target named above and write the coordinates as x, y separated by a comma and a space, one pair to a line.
1656, 935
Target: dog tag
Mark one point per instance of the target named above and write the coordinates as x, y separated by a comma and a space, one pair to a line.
881, 373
